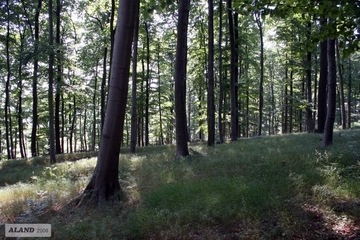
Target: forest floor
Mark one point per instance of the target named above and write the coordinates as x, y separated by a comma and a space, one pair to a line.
272, 187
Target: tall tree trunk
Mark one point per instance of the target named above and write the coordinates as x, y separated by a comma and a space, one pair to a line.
233, 67
34, 83
7, 85
330, 117
321, 109
104, 182
261, 84
50, 91
63, 123
200, 112
180, 80
133, 89
349, 96
221, 91
141, 108
315, 89
20, 89
93, 142
341, 86
247, 93
272, 97
211, 97
309, 118
58, 148
147, 85
73, 126
286, 101
236, 70
291, 105
159, 99
84, 148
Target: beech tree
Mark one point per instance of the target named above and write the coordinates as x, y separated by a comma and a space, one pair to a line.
331, 95
104, 182
51, 81
180, 80
233, 73
211, 101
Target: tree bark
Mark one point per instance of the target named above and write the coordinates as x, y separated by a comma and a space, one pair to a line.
221, 91
180, 81
34, 83
309, 118
133, 89
331, 96
7, 86
211, 97
261, 84
349, 96
20, 100
93, 142
161, 142
147, 85
341, 86
104, 182
233, 67
50, 90
58, 147
321, 108
291, 107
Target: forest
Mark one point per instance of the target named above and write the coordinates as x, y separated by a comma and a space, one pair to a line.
268, 60
195, 80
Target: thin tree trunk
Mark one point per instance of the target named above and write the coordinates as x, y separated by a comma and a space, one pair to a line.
330, 117
221, 91
58, 148
84, 148
50, 91
34, 83
93, 142
63, 123
180, 80
291, 107
315, 90
349, 96
309, 118
236, 71
159, 99
133, 89
147, 85
20, 89
286, 101
72, 129
7, 85
233, 67
341, 86
141, 108
261, 84
211, 97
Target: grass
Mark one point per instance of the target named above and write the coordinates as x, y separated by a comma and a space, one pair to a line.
274, 187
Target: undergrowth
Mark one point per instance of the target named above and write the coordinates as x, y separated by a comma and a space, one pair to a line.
259, 188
